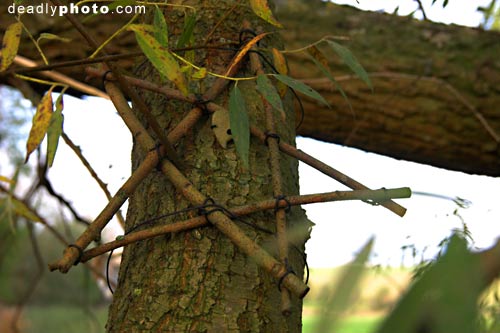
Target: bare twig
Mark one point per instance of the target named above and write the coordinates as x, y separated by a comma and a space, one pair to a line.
327, 170
421, 8
44, 181
380, 195
111, 57
166, 91
94, 229
150, 161
85, 88
40, 219
274, 161
76, 149
69, 63
134, 96
286, 148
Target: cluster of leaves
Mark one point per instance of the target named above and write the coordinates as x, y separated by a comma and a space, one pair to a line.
47, 120
154, 42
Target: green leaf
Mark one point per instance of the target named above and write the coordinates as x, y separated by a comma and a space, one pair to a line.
262, 10
269, 92
161, 28
444, 298
160, 57
49, 36
349, 59
55, 130
321, 62
187, 33
240, 126
341, 298
303, 88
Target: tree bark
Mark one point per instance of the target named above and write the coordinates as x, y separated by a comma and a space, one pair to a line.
436, 87
435, 91
198, 281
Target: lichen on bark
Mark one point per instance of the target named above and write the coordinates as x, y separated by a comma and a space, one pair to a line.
198, 281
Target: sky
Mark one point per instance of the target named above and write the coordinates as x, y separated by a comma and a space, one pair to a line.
342, 228
461, 12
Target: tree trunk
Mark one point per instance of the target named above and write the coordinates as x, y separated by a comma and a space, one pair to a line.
450, 121
198, 281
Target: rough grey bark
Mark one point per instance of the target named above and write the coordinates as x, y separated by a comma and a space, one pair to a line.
198, 281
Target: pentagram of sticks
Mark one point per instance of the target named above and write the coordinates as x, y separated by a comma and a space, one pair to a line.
164, 157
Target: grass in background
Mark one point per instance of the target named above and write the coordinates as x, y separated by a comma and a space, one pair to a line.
67, 319
352, 324
378, 291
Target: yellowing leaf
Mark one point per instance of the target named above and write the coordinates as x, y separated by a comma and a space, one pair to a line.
21, 209
240, 126
46, 35
54, 131
279, 63
143, 28
160, 57
244, 51
199, 74
262, 10
6, 179
318, 55
10, 45
40, 123
321, 62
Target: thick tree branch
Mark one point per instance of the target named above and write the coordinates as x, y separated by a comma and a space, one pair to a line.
414, 119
